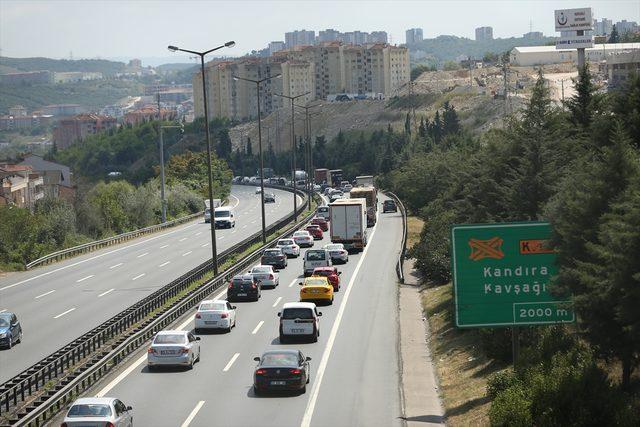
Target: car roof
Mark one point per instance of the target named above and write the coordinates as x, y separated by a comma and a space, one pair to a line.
324, 269
256, 266
172, 332
283, 351
245, 276
94, 400
301, 231
298, 305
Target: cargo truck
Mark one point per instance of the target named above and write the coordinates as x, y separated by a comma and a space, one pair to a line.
364, 181
336, 177
369, 194
321, 176
348, 223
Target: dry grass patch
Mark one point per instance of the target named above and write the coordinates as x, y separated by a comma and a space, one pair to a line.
462, 367
414, 228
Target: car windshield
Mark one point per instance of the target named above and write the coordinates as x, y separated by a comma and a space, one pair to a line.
212, 306
285, 242
222, 214
89, 410
315, 255
261, 270
315, 282
273, 252
4, 322
323, 209
170, 339
280, 359
300, 234
297, 313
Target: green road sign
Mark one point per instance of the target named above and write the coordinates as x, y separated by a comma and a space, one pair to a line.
501, 275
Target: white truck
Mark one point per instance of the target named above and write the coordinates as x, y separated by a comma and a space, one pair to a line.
364, 181
348, 223
207, 208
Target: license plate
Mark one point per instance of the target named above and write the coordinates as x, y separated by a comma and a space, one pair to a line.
167, 352
315, 291
210, 322
297, 331
278, 383
242, 295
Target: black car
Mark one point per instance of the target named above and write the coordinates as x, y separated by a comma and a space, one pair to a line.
10, 329
244, 287
274, 257
281, 370
389, 206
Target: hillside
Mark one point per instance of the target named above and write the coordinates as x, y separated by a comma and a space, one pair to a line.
107, 68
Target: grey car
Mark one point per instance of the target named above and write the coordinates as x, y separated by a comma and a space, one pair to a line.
10, 329
269, 198
337, 252
173, 348
103, 411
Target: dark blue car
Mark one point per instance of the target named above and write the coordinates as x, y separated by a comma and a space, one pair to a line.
10, 329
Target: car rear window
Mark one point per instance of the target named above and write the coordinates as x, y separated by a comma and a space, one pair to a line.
333, 247
170, 339
273, 252
316, 255
89, 410
300, 233
315, 282
285, 242
280, 359
297, 313
261, 270
323, 209
212, 306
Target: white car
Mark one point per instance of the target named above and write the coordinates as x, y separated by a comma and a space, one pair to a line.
258, 190
173, 348
93, 411
266, 275
215, 314
289, 248
338, 252
303, 238
314, 258
299, 319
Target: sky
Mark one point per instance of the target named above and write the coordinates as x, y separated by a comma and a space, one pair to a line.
143, 28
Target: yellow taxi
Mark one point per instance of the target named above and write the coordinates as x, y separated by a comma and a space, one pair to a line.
316, 288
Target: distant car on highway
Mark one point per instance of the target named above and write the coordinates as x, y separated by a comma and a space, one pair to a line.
314, 258
337, 252
323, 212
347, 188
10, 329
315, 231
258, 190
224, 217
289, 247
215, 314
389, 206
98, 411
336, 196
321, 222
303, 238
173, 348
281, 370
317, 188
269, 198
316, 289
331, 273
299, 320
266, 275
274, 257
244, 287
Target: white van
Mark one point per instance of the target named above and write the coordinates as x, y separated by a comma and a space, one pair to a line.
323, 212
224, 217
316, 258
299, 319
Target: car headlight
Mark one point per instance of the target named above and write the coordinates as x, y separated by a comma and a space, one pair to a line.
3, 334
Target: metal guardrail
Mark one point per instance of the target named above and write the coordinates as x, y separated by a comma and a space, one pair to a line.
98, 244
89, 349
399, 264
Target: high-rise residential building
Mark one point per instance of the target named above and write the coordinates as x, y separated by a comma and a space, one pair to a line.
379, 37
484, 33
71, 130
299, 38
328, 35
533, 35
276, 47
602, 27
413, 35
625, 26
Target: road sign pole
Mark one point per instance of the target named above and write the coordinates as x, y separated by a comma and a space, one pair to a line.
581, 54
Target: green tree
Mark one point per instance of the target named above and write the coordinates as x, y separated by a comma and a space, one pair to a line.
223, 147
583, 104
249, 148
450, 122
614, 37
191, 170
407, 125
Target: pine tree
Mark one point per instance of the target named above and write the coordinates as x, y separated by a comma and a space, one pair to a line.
582, 104
224, 147
626, 107
389, 128
450, 122
407, 125
422, 130
435, 129
614, 37
249, 148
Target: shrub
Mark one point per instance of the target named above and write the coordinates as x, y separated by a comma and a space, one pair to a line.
512, 407
500, 381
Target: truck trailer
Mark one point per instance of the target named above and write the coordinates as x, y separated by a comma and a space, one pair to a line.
348, 223
369, 194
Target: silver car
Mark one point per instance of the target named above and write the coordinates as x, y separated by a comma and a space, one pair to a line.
173, 348
289, 247
338, 252
99, 411
265, 275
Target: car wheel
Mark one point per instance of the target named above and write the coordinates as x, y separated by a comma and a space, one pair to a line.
283, 339
199, 354
256, 391
191, 362
303, 390
10, 343
331, 302
315, 337
151, 368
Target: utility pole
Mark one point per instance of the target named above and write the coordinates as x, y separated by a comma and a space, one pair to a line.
562, 86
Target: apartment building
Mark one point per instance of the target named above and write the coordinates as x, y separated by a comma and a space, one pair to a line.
413, 35
71, 130
484, 33
299, 38
147, 113
20, 186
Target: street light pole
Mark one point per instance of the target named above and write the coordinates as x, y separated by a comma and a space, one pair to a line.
208, 137
257, 82
293, 148
308, 150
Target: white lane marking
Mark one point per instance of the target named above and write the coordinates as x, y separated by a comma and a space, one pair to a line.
237, 201
144, 254
244, 226
92, 258
142, 358
233, 359
164, 263
45, 294
164, 246
66, 312
3, 310
193, 414
205, 245
198, 233
186, 253
115, 266
183, 239
234, 230
84, 278
254, 221
294, 282
277, 302
138, 276
221, 237
311, 404
106, 292
258, 327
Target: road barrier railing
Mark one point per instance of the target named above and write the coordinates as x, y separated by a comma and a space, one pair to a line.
399, 264
35, 394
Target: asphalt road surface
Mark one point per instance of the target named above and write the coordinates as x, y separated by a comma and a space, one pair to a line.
354, 367
59, 302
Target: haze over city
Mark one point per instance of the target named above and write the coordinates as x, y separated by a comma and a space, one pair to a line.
142, 29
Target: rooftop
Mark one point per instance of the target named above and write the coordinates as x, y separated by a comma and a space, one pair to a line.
606, 46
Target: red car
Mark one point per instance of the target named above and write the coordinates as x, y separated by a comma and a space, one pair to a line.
331, 273
315, 231
321, 222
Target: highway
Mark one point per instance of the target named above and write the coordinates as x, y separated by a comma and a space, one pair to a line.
354, 367
59, 302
